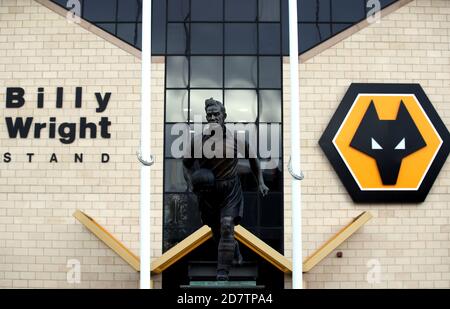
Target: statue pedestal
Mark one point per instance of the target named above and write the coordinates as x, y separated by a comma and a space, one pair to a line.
222, 285
202, 274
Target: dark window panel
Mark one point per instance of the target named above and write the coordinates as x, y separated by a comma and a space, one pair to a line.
178, 38
240, 10
314, 10
108, 27
62, 3
241, 105
269, 39
248, 180
273, 174
311, 35
206, 38
207, 10
241, 39
270, 140
176, 105
180, 131
197, 102
285, 27
128, 32
173, 176
206, 72
272, 236
270, 106
274, 217
129, 11
139, 42
181, 218
383, 3
250, 214
340, 27
348, 10
269, 72
100, 10
159, 27
177, 72
178, 10
269, 10
241, 72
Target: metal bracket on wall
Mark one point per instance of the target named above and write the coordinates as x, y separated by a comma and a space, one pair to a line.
293, 174
145, 162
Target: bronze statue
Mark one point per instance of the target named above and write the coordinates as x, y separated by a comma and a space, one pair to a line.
216, 183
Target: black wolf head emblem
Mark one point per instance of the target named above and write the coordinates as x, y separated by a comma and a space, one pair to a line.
388, 141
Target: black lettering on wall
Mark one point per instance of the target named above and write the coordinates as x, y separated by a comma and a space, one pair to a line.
7, 157
84, 125
67, 136
18, 126
59, 97
53, 158
78, 97
105, 158
14, 97
102, 102
104, 124
40, 98
78, 158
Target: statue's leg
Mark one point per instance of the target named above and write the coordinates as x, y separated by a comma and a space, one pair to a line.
237, 259
226, 248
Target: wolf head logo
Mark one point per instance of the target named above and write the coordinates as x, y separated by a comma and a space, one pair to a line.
388, 141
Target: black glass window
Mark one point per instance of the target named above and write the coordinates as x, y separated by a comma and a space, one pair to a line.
100, 10
129, 32
177, 105
129, 11
241, 72
206, 71
178, 38
206, 38
219, 49
240, 10
206, 10
318, 20
241, 105
269, 10
269, 106
269, 39
314, 11
177, 70
270, 72
241, 38
178, 10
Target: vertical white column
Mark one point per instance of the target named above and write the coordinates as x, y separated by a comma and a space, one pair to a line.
297, 273
145, 144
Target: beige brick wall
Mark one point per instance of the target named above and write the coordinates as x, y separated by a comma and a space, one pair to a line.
38, 234
411, 242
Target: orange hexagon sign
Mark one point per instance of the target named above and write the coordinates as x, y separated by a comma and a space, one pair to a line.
386, 142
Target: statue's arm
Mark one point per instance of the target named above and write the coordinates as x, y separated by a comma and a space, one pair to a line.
187, 166
255, 166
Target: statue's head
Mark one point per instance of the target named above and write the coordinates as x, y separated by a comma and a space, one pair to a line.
215, 112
